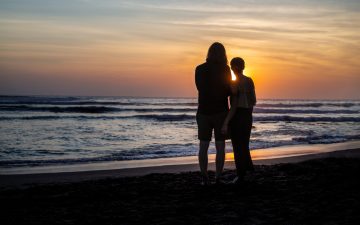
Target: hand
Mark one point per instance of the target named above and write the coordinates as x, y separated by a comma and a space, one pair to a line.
224, 129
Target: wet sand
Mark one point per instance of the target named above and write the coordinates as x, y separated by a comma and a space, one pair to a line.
177, 165
268, 155
323, 189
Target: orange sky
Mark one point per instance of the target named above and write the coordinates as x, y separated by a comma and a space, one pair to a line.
134, 48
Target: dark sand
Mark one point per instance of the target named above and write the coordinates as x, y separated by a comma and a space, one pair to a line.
317, 191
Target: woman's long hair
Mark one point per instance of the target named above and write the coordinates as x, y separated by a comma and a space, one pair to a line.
217, 53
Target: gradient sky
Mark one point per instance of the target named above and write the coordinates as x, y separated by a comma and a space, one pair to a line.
293, 49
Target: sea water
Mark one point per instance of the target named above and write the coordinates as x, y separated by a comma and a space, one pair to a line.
45, 130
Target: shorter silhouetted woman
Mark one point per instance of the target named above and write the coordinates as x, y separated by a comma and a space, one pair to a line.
239, 118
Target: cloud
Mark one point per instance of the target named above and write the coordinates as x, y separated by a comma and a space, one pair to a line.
130, 37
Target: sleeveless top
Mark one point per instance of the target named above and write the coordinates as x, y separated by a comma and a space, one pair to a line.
245, 91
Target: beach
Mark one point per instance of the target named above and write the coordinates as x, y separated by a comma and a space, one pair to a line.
320, 188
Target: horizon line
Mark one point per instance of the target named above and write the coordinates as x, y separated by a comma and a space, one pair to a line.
169, 97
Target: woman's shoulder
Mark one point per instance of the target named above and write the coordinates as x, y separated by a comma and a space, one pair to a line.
201, 66
212, 65
249, 80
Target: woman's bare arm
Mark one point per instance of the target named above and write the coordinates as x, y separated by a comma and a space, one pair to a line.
230, 115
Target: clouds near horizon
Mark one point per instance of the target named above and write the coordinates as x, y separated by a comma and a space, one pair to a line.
300, 49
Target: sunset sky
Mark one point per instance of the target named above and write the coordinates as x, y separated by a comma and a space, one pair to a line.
301, 49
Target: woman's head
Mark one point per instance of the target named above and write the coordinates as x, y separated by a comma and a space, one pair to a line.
237, 65
217, 53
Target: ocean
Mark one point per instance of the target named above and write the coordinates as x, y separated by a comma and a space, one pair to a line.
46, 130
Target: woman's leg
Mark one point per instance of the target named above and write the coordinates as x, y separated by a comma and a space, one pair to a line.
204, 135
246, 126
220, 158
218, 121
241, 130
249, 163
236, 141
203, 158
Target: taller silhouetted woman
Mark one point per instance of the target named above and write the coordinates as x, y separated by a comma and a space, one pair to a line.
212, 80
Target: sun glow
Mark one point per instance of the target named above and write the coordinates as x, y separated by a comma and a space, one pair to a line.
233, 76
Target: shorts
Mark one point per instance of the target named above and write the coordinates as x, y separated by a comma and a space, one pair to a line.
208, 123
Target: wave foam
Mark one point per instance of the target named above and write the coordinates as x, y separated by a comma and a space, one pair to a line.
186, 117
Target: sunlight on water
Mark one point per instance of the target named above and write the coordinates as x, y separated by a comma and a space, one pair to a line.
229, 156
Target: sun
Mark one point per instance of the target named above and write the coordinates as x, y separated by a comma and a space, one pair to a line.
233, 76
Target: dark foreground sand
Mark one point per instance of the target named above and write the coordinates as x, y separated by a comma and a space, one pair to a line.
317, 191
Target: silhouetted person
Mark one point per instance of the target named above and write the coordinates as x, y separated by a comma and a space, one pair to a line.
213, 84
243, 99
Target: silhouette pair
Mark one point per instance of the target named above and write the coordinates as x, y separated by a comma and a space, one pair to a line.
215, 89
